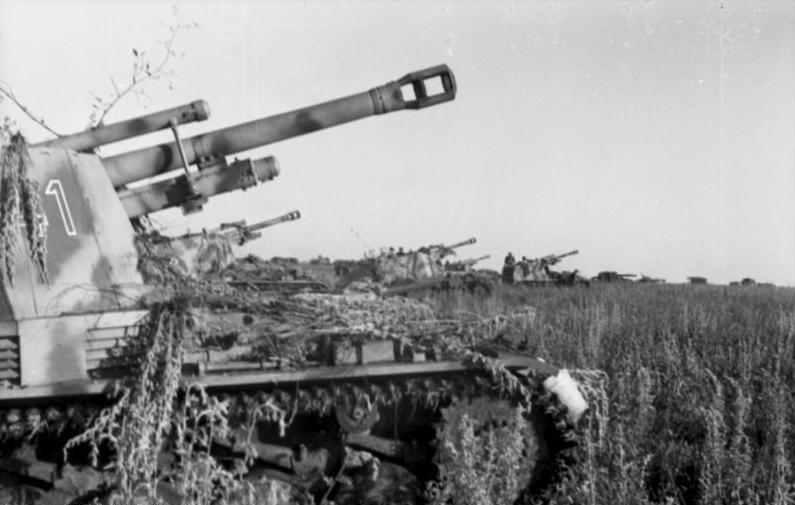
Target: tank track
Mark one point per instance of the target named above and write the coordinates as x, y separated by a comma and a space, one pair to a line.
32, 436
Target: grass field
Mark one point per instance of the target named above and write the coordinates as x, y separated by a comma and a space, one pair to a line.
690, 391
694, 402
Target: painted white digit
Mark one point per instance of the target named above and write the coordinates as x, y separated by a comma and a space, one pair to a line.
55, 189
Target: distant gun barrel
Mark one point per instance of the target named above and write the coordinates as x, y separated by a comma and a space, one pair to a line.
198, 110
290, 216
464, 265
566, 255
469, 241
480, 258
243, 234
144, 163
472, 261
555, 258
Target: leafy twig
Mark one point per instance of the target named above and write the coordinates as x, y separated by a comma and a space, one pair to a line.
143, 70
6, 91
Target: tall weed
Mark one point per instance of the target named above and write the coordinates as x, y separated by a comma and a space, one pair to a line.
698, 405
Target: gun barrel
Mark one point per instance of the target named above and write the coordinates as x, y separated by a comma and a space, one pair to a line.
290, 216
567, 254
462, 243
197, 110
472, 261
143, 163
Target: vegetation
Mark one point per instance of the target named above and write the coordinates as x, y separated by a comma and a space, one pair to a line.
20, 208
695, 403
483, 466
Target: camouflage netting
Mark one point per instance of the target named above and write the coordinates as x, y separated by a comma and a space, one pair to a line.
203, 315
288, 329
413, 265
20, 208
205, 257
254, 267
257, 326
166, 260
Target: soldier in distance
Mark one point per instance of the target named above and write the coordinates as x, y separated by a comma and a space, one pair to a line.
507, 268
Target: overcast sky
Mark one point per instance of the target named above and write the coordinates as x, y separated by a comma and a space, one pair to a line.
655, 137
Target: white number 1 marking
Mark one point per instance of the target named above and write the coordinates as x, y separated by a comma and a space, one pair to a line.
55, 189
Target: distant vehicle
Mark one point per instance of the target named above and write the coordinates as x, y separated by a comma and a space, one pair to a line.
536, 272
697, 280
419, 271
751, 282
610, 276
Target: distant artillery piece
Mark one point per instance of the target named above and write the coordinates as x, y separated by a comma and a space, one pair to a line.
554, 259
610, 276
419, 270
697, 280
751, 282
422, 271
424, 263
207, 251
536, 272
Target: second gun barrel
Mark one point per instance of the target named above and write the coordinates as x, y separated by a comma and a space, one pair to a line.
140, 164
